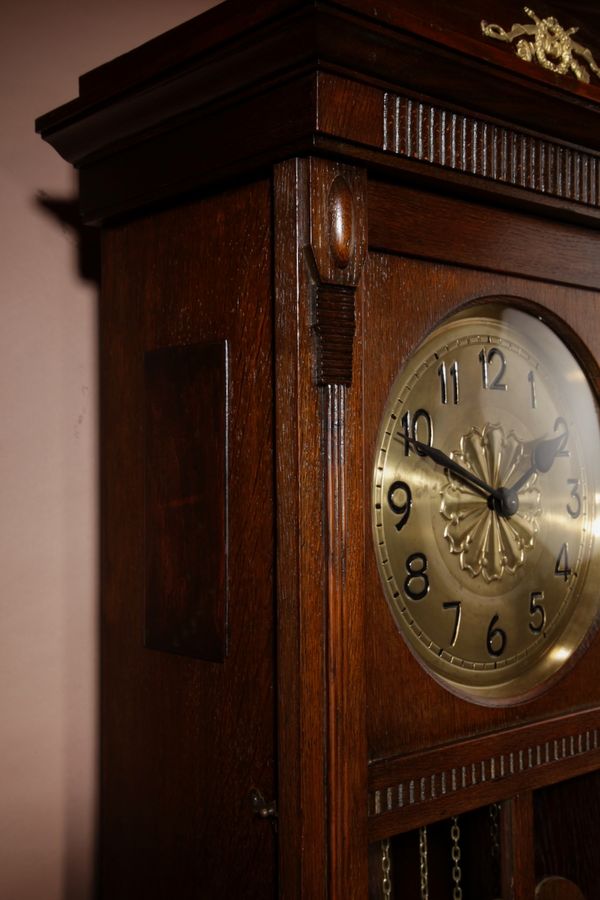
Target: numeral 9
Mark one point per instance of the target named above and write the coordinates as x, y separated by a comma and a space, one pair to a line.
399, 499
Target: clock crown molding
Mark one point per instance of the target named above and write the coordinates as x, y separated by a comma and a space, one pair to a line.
249, 87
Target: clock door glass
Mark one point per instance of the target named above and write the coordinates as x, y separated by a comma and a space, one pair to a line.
484, 503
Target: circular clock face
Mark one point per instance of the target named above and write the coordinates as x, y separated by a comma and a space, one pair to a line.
486, 483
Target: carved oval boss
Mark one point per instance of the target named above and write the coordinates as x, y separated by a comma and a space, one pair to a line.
341, 223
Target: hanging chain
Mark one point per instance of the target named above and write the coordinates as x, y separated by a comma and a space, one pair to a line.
386, 868
456, 872
494, 814
423, 863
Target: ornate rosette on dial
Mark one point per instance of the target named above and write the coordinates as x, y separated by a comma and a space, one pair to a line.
484, 503
489, 544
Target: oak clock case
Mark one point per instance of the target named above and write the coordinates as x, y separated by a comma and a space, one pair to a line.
484, 503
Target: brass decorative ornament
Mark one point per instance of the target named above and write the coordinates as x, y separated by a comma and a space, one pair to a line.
485, 514
547, 43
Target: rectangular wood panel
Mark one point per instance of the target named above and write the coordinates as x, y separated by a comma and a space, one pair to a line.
408, 221
185, 741
186, 499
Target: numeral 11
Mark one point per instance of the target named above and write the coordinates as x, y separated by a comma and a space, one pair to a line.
444, 382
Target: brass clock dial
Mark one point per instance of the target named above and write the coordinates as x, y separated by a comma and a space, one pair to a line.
485, 493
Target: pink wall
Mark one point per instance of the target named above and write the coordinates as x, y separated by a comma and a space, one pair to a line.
48, 452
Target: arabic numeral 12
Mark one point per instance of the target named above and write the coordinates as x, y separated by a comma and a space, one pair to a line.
486, 360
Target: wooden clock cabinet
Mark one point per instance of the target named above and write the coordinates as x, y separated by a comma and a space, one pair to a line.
292, 194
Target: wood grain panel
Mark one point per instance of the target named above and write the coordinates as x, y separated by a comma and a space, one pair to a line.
186, 500
517, 842
185, 741
412, 222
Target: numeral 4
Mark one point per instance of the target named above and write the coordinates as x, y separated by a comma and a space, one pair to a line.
562, 563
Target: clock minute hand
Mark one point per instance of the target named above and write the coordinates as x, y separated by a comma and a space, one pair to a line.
442, 459
542, 458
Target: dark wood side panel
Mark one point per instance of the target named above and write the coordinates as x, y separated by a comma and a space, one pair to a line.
186, 500
184, 741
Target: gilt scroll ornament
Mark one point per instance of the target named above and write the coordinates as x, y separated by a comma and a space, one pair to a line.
547, 43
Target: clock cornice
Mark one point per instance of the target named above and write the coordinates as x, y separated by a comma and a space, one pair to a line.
248, 87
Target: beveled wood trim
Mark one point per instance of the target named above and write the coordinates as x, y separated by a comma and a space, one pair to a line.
409, 791
186, 585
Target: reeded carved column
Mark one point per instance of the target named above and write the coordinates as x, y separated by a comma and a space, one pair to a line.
321, 245
337, 254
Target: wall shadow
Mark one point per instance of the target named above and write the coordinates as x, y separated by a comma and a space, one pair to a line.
66, 213
76, 861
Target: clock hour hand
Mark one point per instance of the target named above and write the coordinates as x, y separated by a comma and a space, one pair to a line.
442, 459
542, 457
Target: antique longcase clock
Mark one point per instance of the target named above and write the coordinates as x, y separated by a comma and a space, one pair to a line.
350, 337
